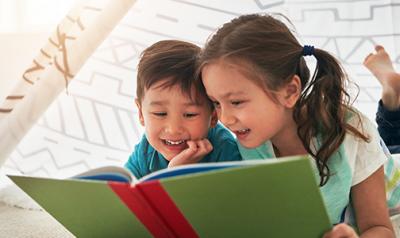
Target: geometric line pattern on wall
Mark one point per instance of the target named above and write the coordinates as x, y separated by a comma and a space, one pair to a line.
96, 122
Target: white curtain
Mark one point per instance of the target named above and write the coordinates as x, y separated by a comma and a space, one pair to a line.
95, 122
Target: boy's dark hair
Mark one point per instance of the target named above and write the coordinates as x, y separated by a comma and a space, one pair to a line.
174, 62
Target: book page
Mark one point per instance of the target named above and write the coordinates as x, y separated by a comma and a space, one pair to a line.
108, 173
204, 167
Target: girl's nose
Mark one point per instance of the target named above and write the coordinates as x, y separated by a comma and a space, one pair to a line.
226, 118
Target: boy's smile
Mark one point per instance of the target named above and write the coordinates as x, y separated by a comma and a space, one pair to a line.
178, 145
171, 119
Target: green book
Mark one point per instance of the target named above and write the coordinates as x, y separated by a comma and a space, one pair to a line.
263, 198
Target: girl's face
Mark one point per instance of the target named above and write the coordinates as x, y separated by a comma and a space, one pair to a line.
244, 107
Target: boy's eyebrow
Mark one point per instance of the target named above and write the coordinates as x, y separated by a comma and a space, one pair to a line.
161, 103
157, 103
188, 104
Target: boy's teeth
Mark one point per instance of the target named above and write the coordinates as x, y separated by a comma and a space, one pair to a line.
243, 131
170, 142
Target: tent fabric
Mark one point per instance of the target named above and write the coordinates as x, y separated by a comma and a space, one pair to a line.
94, 122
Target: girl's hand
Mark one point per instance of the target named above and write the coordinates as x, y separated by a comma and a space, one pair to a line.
193, 154
341, 231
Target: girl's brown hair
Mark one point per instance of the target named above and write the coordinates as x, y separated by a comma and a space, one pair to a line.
271, 50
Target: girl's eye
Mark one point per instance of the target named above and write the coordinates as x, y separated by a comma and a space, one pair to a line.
190, 115
236, 103
160, 114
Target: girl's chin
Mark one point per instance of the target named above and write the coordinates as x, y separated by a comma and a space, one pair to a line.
249, 145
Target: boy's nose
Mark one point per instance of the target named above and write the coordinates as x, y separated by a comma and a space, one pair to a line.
174, 127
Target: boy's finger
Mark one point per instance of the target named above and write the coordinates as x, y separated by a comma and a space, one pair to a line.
185, 156
192, 145
207, 143
204, 147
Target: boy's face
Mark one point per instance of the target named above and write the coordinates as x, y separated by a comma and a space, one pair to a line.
171, 119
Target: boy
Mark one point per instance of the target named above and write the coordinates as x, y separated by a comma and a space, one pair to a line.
180, 122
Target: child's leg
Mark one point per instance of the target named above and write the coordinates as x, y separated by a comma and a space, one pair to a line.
380, 65
388, 115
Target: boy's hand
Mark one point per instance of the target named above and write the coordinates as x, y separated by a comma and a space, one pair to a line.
193, 154
341, 231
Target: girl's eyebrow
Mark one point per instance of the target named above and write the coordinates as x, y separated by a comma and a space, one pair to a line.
229, 94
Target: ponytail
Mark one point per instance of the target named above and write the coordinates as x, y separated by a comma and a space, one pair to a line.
321, 111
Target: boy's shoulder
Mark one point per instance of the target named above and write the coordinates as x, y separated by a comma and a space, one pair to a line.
220, 133
143, 149
224, 144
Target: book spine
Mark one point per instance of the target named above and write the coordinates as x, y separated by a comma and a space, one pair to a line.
160, 200
144, 212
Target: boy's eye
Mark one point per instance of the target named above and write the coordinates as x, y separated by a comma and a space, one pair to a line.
216, 104
159, 114
189, 115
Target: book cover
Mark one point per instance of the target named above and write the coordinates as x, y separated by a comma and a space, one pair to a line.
261, 199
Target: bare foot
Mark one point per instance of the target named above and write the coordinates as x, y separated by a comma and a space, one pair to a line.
381, 66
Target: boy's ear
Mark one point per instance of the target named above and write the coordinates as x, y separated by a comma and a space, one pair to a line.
214, 118
290, 93
139, 106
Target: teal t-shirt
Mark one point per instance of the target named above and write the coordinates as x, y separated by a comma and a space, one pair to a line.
145, 159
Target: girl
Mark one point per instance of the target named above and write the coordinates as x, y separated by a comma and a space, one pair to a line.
254, 71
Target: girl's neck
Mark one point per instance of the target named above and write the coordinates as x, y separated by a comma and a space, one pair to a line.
289, 150
288, 143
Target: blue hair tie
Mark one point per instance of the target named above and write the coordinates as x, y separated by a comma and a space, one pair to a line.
308, 50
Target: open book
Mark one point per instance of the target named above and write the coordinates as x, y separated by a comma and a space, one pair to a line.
121, 174
264, 198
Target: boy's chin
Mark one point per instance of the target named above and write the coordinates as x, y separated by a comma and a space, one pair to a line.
168, 159
168, 156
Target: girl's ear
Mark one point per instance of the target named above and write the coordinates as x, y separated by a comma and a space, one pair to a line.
214, 118
290, 93
139, 106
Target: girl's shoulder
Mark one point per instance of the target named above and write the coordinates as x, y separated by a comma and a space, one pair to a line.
363, 156
359, 121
